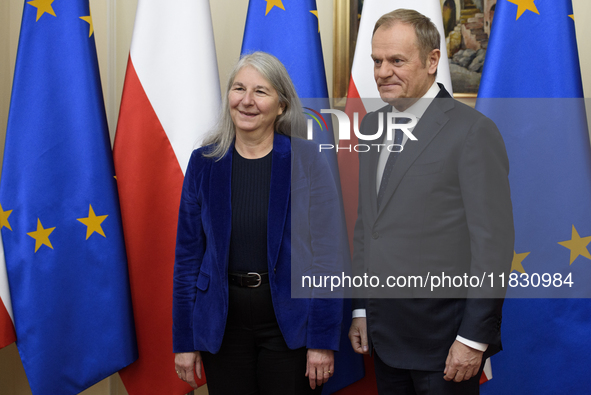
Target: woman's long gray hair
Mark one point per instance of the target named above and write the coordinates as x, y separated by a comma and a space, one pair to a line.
290, 123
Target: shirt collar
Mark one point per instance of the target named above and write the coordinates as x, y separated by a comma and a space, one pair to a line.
419, 108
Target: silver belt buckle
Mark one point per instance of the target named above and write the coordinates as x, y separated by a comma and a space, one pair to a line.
259, 278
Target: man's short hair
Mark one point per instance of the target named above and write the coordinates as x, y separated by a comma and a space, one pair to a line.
428, 37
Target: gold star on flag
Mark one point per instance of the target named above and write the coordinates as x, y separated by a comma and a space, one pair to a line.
89, 20
523, 5
273, 3
315, 12
42, 6
517, 259
93, 223
577, 245
41, 236
4, 218
572, 16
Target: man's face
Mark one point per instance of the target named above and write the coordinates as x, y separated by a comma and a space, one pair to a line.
402, 77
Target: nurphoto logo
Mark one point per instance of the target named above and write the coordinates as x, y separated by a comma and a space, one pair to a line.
394, 120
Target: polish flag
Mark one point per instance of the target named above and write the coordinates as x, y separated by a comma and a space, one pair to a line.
486, 372
7, 334
171, 98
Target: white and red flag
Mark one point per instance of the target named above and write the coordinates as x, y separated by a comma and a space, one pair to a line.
171, 98
486, 372
7, 334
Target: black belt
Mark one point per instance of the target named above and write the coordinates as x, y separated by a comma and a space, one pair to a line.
251, 279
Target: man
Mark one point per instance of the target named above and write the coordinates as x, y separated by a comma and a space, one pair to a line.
442, 207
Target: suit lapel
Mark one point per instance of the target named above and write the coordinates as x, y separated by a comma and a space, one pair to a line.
433, 120
221, 207
278, 196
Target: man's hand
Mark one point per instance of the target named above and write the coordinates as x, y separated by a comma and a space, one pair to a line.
186, 364
319, 366
358, 335
462, 362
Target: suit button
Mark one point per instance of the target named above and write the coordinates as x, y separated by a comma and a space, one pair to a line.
375, 235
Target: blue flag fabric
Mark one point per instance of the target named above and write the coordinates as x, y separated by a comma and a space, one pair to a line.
531, 88
62, 234
288, 29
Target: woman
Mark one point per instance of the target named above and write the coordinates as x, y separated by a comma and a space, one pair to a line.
258, 211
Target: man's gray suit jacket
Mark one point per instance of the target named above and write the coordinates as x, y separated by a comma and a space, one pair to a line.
446, 209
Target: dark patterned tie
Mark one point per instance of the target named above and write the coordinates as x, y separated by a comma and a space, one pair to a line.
398, 134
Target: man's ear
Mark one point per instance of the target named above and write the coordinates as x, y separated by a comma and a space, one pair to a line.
433, 60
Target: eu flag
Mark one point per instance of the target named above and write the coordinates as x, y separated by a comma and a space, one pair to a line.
531, 88
63, 241
288, 29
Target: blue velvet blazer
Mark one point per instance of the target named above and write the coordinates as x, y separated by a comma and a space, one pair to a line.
303, 226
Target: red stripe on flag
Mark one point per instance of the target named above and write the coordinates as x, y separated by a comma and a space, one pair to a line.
483, 378
7, 334
486, 372
367, 385
349, 162
149, 180
349, 171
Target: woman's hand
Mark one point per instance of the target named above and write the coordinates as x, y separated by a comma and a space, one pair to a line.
186, 364
320, 366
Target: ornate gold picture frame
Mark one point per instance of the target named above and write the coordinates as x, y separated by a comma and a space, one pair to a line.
467, 26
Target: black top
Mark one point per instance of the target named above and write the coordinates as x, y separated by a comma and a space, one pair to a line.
251, 182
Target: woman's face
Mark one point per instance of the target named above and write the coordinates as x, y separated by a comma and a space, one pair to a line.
254, 103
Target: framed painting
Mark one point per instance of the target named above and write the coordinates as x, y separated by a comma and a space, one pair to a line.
466, 24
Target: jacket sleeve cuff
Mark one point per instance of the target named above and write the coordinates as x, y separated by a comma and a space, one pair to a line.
182, 340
